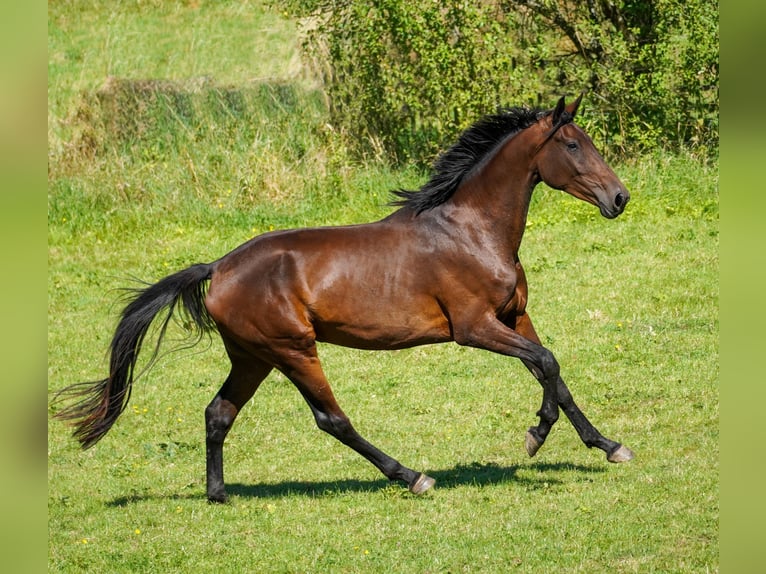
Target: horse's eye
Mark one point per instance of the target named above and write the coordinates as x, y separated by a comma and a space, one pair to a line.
572, 146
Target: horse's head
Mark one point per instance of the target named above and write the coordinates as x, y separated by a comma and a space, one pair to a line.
567, 160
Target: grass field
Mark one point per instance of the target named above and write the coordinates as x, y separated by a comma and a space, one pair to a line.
234, 141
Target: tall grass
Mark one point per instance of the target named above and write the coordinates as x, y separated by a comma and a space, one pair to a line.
184, 169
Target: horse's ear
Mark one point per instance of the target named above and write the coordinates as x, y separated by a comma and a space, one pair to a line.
558, 111
572, 108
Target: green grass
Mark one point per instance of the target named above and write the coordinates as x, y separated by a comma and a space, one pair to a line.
629, 307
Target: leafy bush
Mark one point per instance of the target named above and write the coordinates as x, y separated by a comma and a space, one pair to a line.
404, 78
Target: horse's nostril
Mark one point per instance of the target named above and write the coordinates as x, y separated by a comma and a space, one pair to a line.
619, 200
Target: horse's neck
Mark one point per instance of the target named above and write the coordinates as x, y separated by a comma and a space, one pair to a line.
495, 200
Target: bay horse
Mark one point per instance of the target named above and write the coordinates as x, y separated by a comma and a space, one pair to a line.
443, 267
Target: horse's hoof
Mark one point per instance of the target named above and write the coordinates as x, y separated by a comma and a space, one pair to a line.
621, 454
531, 443
216, 498
422, 484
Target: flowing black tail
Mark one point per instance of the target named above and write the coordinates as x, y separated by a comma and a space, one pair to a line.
99, 404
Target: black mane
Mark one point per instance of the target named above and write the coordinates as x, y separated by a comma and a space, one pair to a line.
471, 148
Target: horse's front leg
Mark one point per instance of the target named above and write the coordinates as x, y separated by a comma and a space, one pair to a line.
493, 335
615, 452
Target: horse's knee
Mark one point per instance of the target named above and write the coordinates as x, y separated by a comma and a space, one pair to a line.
549, 366
544, 366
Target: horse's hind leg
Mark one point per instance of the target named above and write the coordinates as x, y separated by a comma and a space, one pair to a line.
306, 373
246, 375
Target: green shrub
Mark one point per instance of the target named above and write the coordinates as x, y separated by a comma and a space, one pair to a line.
406, 78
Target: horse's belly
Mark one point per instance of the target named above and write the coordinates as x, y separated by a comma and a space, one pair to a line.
383, 326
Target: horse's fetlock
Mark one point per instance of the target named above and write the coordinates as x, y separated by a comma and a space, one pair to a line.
550, 414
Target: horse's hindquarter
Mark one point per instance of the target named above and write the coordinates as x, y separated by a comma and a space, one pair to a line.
367, 286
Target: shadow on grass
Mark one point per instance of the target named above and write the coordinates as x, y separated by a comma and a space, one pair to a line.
535, 476
473, 474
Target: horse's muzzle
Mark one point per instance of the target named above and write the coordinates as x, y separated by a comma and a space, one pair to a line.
618, 203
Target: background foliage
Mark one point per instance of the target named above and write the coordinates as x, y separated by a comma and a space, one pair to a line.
419, 72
